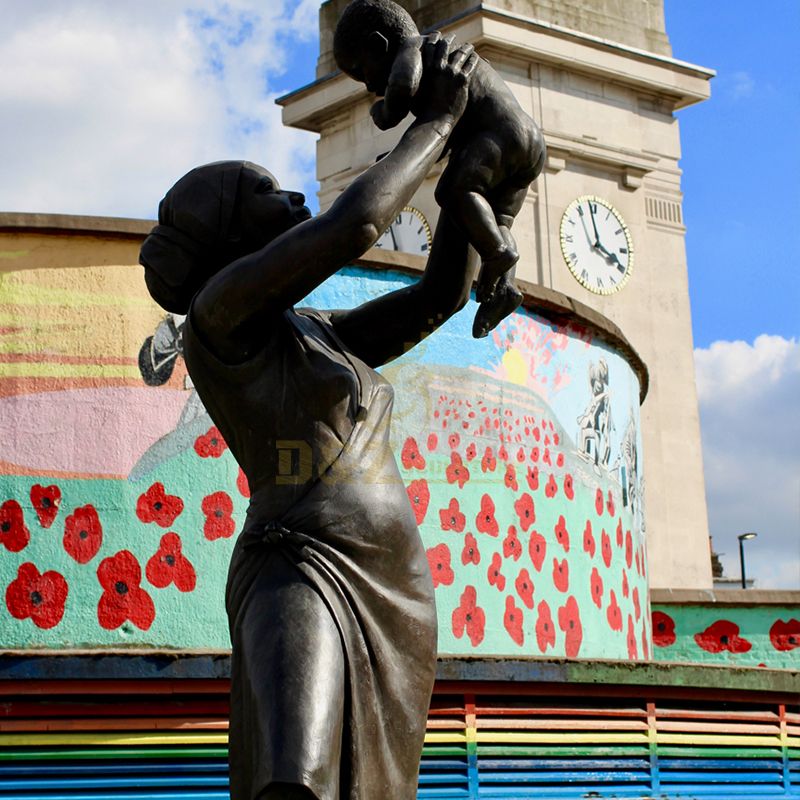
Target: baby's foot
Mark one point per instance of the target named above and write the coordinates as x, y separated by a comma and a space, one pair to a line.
492, 269
506, 298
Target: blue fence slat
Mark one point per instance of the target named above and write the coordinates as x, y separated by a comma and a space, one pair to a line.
565, 763
138, 782
721, 764
181, 794
112, 768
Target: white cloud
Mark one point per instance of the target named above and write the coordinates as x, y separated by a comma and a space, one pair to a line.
105, 105
750, 420
742, 85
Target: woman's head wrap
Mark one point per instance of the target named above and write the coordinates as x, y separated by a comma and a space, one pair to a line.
191, 241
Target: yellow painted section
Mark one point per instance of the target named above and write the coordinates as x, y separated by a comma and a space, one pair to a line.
27, 370
89, 739
445, 738
515, 366
562, 738
703, 739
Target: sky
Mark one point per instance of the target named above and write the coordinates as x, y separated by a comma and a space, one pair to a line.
106, 104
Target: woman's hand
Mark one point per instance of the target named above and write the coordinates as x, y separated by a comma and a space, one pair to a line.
444, 89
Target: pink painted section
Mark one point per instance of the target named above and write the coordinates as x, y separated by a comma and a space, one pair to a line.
98, 431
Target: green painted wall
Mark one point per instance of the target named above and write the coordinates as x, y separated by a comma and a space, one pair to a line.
740, 635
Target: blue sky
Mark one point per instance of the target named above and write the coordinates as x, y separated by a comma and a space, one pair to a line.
106, 104
741, 162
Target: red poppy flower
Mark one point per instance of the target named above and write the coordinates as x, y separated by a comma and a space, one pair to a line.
569, 489
433, 441
123, 597
439, 563
625, 588
560, 462
785, 636
419, 496
597, 588
470, 554
502, 453
562, 534
614, 613
605, 547
526, 511
510, 478
169, 565
520, 455
546, 457
512, 548
496, 578
512, 619
453, 440
610, 504
645, 646
628, 549
619, 533
551, 487
524, 586
588, 540
210, 444
485, 521
471, 451
533, 478
637, 608
537, 548
451, 517
45, 501
38, 596
469, 616
722, 635
633, 653
83, 534
547, 441
569, 620
155, 505
219, 524
545, 630
663, 629
242, 484
598, 502
536, 434
411, 456
561, 574
457, 472
488, 462
638, 562
14, 534
534, 454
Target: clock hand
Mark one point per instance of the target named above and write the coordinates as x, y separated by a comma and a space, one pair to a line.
594, 225
612, 257
394, 238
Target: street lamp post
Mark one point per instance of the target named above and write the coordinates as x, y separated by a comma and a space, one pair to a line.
742, 537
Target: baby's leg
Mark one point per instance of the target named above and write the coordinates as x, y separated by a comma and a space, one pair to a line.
462, 191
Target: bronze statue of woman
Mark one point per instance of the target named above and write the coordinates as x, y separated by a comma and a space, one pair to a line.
329, 597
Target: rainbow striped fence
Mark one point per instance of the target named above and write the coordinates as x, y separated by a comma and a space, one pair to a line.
165, 737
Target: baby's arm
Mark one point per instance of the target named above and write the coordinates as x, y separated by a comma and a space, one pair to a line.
402, 85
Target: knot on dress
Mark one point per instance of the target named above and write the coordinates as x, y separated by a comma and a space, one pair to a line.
273, 534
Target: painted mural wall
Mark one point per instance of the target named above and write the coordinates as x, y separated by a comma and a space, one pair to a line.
735, 635
119, 501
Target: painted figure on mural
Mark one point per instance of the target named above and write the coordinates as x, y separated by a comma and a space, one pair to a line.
329, 596
595, 425
496, 150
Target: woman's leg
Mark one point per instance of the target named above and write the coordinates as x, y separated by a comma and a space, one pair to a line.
292, 712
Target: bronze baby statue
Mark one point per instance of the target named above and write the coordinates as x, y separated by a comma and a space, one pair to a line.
496, 149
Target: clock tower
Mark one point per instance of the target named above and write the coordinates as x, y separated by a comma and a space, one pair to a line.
603, 222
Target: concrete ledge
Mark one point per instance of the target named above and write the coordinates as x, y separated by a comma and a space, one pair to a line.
725, 597
215, 664
75, 224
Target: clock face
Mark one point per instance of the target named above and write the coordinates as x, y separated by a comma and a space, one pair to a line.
596, 244
408, 233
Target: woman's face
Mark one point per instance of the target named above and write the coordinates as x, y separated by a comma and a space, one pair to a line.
265, 210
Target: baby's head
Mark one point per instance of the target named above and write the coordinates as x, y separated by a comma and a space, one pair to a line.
367, 38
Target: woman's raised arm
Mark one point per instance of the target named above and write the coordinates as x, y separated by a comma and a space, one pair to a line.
240, 298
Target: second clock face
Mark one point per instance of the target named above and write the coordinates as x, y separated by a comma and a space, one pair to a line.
596, 244
408, 233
